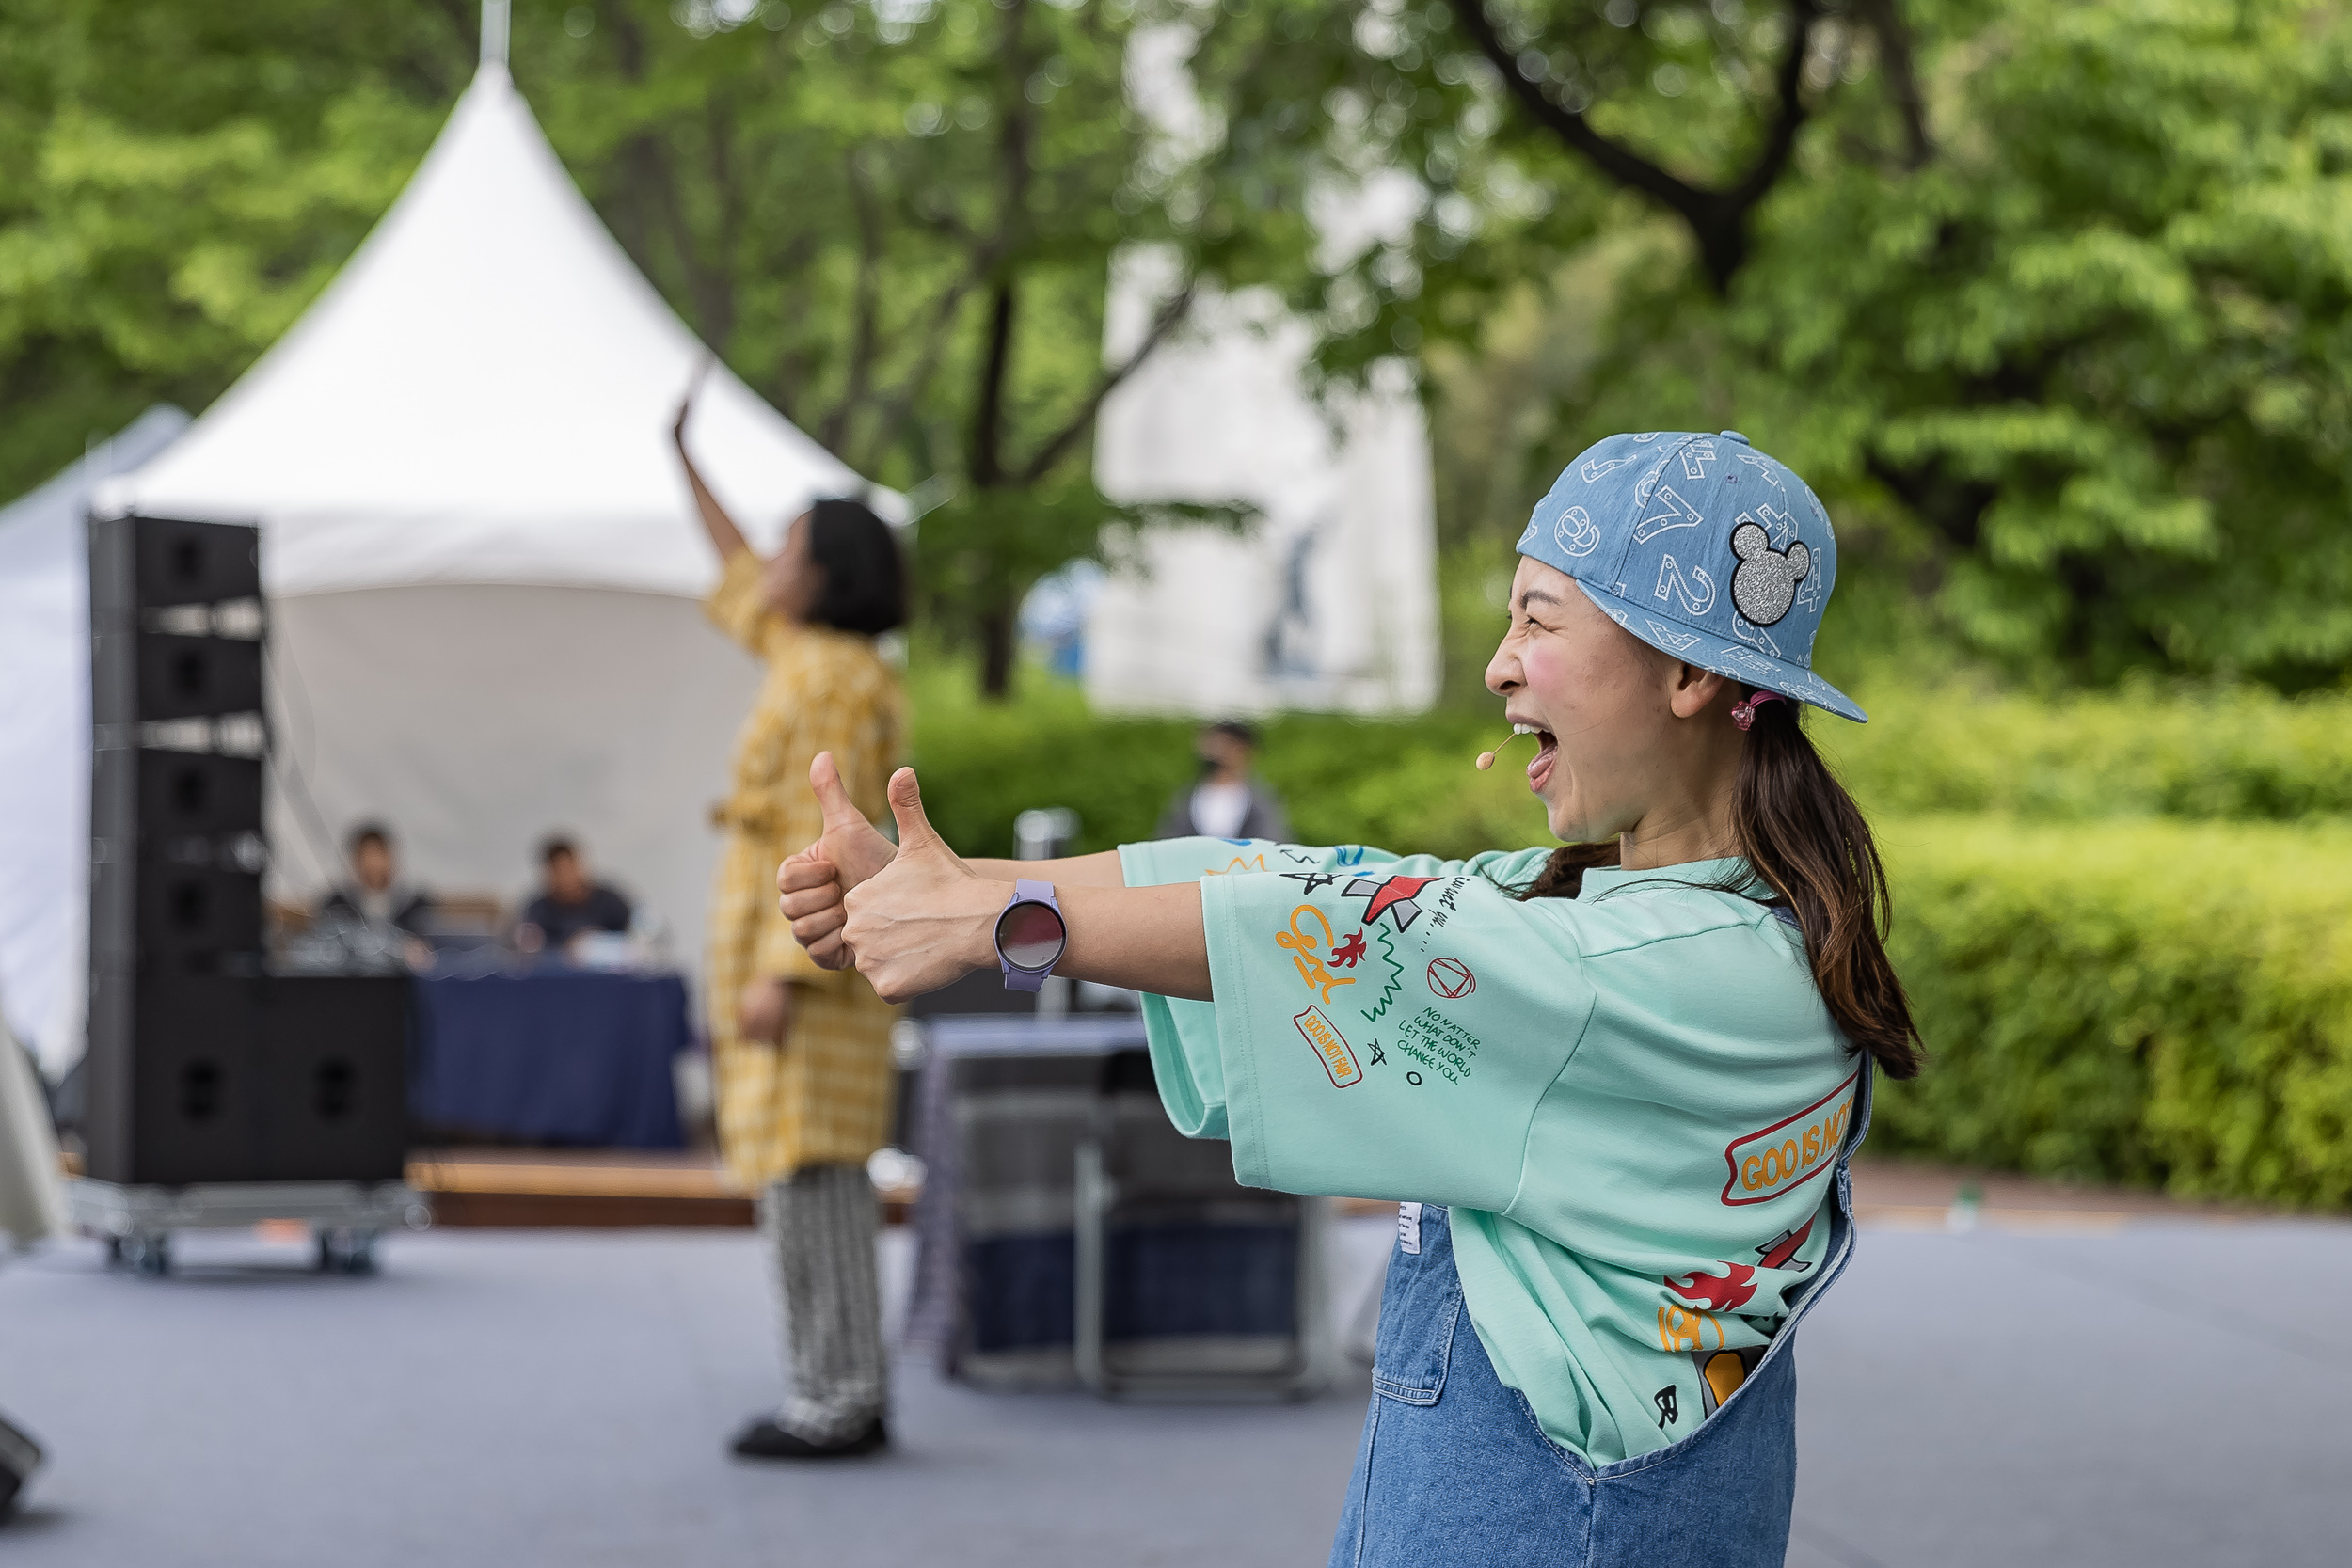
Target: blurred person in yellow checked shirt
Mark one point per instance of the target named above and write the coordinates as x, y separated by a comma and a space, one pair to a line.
800, 1055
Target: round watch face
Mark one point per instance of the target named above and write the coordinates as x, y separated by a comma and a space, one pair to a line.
1030, 936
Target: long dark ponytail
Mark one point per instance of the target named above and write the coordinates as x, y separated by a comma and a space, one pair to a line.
1804, 835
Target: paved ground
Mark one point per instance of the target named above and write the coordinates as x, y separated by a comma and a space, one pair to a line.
2086, 1392
2160, 1393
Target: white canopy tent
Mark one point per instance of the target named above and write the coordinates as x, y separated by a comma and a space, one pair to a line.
481, 558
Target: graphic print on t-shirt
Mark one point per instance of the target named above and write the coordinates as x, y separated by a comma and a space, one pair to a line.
1735, 1288
1238, 863
1717, 1292
1389, 978
1308, 941
1317, 951
1722, 1372
1796, 1148
1684, 1328
1451, 978
1389, 895
1688, 1322
1331, 1046
1781, 1251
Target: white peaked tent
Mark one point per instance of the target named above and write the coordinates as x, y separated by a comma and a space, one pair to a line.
481, 558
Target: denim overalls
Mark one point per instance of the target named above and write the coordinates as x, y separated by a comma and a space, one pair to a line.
1453, 1469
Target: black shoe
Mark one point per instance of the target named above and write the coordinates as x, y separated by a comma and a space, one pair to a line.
765, 1439
20, 1456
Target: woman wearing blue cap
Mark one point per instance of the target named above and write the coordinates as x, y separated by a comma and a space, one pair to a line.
1618, 1079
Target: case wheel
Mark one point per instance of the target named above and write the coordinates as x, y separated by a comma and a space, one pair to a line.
150, 1255
341, 1250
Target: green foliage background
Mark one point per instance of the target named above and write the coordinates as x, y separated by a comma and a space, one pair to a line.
2153, 1002
176, 182
1930, 752
2050, 302
2066, 364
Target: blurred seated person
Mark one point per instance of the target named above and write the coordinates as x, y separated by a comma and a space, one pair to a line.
1227, 802
395, 916
570, 902
374, 895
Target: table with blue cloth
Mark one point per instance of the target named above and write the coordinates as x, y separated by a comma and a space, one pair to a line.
551, 1055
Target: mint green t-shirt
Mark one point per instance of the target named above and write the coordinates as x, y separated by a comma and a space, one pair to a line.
1632, 1100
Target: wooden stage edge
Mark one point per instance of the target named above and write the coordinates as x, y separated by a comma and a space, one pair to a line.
529, 1189
615, 1188
587, 1189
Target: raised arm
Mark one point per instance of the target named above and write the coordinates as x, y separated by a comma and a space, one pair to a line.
724, 536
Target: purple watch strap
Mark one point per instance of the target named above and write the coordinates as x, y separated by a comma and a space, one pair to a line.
1025, 892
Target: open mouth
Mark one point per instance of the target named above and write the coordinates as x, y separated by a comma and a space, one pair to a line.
1546, 753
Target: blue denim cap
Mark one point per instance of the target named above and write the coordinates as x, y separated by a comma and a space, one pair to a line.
1702, 547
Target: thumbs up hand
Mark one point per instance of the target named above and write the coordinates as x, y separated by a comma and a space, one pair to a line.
855, 847
811, 896
924, 919
812, 883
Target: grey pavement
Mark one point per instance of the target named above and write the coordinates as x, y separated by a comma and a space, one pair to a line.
2160, 1393
2166, 1392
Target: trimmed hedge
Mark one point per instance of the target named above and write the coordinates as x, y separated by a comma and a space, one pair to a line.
1405, 782
2235, 752
2109, 993
2145, 752
2162, 1004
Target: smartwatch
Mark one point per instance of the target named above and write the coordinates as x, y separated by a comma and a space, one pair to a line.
1030, 936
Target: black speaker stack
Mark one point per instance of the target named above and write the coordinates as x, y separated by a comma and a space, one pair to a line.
203, 1066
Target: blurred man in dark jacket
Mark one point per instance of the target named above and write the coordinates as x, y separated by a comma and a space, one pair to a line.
570, 901
374, 895
1227, 801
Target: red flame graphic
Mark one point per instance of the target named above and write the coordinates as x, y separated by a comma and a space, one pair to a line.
1717, 1293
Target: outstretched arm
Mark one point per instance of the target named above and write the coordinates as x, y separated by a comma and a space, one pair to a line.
724, 536
814, 884
928, 918
1100, 869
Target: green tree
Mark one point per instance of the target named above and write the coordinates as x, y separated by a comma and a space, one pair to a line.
897, 221
2047, 300
2097, 351
176, 182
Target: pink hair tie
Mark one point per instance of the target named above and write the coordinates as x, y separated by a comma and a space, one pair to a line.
1744, 714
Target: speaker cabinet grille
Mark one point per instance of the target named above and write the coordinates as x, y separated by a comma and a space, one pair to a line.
336, 1050
160, 562
176, 1094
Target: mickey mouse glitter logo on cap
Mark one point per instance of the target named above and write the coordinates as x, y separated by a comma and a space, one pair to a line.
1764, 584
1701, 547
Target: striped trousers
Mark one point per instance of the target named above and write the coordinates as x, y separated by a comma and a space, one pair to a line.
821, 1224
